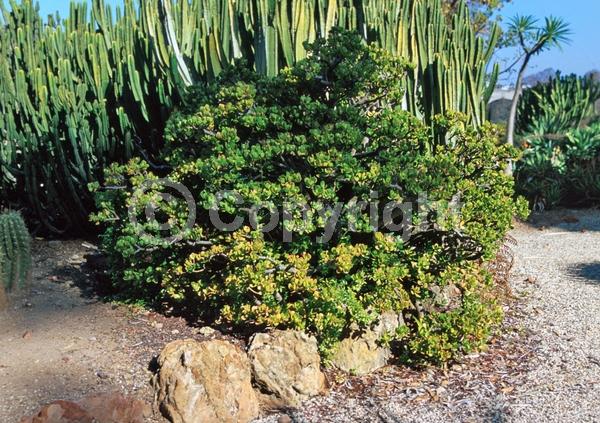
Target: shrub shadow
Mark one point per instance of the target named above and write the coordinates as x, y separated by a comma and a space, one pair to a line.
567, 220
588, 273
77, 276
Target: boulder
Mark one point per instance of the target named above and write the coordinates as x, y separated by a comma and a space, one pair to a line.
362, 353
388, 323
287, 367
60, 412
443, 299
206, 381
104, 408
116, 408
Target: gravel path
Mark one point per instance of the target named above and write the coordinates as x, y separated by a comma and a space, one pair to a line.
60, 342
544, 368
563, 257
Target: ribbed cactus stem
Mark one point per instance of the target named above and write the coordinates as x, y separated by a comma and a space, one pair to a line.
172, 40
82, 90
15, 251
3, 296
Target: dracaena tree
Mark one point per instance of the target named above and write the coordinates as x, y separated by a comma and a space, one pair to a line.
532, 39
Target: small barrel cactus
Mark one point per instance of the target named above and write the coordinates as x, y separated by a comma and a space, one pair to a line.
15, 251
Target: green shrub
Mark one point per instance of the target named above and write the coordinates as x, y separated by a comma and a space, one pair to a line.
15, 251
328, 131
440, 335
562, 170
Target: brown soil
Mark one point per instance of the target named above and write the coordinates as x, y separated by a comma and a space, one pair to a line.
60, 341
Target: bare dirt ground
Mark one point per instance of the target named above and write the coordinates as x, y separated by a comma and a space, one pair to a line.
59, 341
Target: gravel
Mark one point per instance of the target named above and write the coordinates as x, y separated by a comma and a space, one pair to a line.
562, 254
545, 367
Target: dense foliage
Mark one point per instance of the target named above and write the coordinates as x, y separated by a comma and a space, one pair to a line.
560, 136
553, 108
97, 87
562, 170
329, 132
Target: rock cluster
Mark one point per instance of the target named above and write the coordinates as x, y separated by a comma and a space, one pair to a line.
287, 367
215, 381
362, 353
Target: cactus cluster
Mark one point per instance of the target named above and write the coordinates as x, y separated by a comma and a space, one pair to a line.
74, 95
559, 130
450, 60
15, 251
564, 103
77, 93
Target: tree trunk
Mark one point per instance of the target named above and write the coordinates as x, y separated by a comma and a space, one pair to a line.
512, 118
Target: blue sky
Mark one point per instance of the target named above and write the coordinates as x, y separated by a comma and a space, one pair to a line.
580, 56
50, 6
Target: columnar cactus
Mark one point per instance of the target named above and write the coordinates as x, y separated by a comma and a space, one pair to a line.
77, 92
80, 91
15, 251
3, 296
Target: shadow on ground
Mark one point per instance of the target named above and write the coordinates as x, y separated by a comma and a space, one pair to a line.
588, 273
567, 220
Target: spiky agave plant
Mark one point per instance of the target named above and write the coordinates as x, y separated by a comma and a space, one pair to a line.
15, 251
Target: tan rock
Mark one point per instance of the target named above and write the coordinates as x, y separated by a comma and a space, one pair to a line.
362, 353
116, 408
104, 408
60, 412
388, 323
205, 382
287, 367
207, 331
